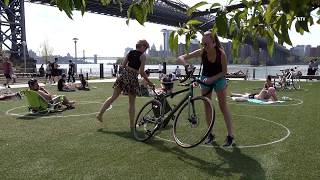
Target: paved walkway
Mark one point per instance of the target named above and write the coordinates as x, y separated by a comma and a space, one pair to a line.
25, 85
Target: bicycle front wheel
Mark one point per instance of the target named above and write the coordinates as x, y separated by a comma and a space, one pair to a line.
148, 120
193, 123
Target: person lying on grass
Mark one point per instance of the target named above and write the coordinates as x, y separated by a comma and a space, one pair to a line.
4, 97
264, 95
34, 86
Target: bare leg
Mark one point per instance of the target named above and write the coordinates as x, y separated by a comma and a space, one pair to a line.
132, 109
107, 103
222, 97
8, 96
207, 108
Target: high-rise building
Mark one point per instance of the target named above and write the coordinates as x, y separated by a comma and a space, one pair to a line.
166, 36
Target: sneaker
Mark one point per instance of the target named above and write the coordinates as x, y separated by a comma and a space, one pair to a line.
229, 142
210, 139
18, 95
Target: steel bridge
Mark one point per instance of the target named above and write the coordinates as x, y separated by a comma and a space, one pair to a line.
166, 12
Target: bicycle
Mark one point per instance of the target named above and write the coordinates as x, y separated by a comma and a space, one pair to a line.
190, 127
289, 77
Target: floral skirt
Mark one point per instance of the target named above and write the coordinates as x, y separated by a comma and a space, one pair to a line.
128, 82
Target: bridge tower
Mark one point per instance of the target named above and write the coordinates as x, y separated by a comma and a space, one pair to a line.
12, 29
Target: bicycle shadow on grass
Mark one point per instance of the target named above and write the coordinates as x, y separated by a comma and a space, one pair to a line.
231, 162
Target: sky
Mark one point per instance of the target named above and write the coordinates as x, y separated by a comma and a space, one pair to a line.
104, 35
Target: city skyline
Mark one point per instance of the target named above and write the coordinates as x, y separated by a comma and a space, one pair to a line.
104, 35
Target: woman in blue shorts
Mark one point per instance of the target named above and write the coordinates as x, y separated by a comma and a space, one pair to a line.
214, 62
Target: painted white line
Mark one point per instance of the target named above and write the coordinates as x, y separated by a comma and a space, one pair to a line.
9, 112
247, 146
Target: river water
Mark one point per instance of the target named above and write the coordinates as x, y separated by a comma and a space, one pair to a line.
260, 72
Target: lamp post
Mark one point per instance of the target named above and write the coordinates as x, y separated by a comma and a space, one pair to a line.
75, 48
24, 44
75, 53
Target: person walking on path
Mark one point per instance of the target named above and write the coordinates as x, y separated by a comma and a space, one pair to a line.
71, 71
7, 70
127, 82
55, 70
214, 62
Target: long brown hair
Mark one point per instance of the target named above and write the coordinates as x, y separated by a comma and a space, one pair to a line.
214, 38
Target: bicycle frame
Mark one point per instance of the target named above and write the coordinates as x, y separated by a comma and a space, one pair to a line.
187, 97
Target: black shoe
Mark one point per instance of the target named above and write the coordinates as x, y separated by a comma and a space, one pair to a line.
18, 95
210, 139
229, 142
9, 86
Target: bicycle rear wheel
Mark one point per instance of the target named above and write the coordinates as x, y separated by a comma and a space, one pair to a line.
296, 82
190, 127
147, 121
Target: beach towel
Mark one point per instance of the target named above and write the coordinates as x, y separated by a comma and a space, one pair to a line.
257, 101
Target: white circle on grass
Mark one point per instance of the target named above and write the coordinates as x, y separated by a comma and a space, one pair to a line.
250, 145
10, 112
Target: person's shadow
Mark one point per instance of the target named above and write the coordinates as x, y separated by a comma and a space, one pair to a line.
239, 163
231, 162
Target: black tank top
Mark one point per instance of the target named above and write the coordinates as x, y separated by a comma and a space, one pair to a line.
209, 68
134, 59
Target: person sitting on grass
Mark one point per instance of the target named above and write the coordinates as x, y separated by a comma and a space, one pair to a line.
84, 84
268, 83
34, 86
10, 96
62, 86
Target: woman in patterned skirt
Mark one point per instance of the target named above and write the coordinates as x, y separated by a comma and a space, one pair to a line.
127, 82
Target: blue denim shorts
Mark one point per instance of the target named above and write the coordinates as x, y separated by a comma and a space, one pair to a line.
217, 85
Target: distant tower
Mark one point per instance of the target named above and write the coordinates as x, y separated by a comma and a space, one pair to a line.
84, 56
95, 59
166, 35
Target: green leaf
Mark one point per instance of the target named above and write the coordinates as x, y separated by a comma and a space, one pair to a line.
318, 22
175, 43
299, 28
222, 24
311, 21
284, 30
193, 8
171, 40
235, 46
246, 3
188, 42
270, 42
139, 13
194, 22
237, 18
6, 2
215, 5
105, 2
304, 25
232, 28
268, 14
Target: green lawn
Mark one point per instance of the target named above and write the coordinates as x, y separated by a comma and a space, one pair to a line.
67, 146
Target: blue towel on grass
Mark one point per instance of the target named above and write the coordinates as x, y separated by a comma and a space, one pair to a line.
257, 101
